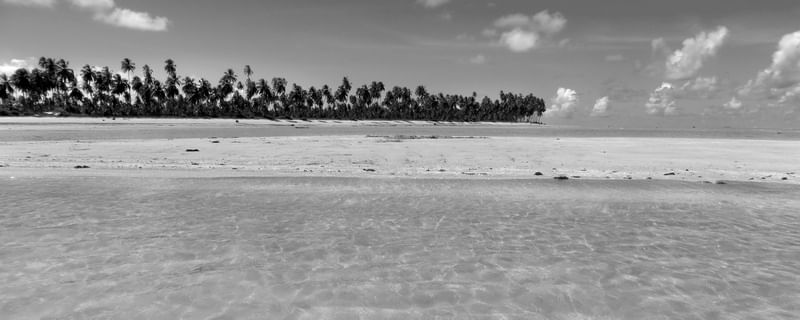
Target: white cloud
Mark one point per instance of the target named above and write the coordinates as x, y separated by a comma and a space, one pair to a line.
615, 58
489, 33
699, 88
733, 105
32, 3
479, 59
11, 66
547, 23
602, 107
783, 76
94, 4
524, 33
127, 18
791, 96
107, 11
686, 62
513, 21
519, 40
659, 46
563, 103
432, 3
662, 101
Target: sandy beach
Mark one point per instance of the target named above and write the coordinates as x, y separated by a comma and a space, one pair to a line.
223, 147
218, 219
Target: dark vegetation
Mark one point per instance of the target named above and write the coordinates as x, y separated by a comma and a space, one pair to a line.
53, 87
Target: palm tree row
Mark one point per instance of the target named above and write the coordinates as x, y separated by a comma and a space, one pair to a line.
53, 86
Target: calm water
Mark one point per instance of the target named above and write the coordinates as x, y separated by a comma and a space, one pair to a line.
314, 248
121, 130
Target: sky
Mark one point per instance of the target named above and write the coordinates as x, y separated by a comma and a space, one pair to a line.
620, 63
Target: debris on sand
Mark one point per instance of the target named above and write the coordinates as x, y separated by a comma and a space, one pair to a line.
215, 141
669, 174
192, 150
785, 178
475, 173
81, 167
720, 182
369, 170
538, 173
561, 177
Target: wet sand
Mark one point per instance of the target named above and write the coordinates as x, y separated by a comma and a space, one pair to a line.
386, 149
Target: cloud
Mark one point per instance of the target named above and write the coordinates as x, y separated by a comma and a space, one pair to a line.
699, 88
602, 107
781, 79
733, 105
106, 11
479, 59
433, 3
662, 101
512, 21
489, 32
32, 3
659, 46
563, 103
94, 4
524, 33
519, 40
547, 23
614, 58
686, 62
11, 66
134, 20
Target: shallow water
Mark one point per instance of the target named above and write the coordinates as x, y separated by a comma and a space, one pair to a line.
329, 248
122, 130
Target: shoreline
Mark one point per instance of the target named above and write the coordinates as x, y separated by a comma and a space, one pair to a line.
62, 129
670, 159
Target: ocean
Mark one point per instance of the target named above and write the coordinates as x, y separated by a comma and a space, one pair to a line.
346, 248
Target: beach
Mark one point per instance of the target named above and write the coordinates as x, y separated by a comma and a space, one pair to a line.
391, 149
218, 219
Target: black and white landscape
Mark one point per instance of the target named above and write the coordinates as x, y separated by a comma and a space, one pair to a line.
403, 159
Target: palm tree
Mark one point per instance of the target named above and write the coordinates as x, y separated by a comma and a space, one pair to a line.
170, 68
128, 67
6, 90
343, 92
63, 75
279, 87
248, 72
21, 79
148, 75
53, 82
226, 83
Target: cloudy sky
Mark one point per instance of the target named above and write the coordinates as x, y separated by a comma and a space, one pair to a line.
650, 63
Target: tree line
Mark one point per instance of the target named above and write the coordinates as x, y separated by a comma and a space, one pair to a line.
54, 86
